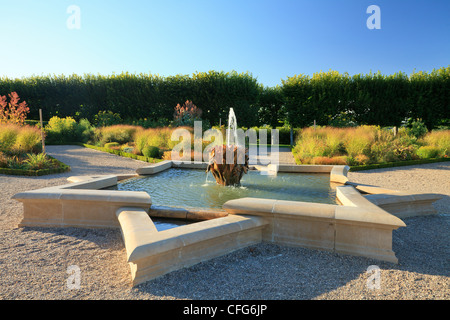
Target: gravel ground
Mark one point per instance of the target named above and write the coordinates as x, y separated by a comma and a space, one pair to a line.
34, 262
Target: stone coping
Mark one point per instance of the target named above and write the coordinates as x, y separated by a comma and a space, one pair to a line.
361, 225
151, 253
166, 164
79, 204
145, 242
358, 227
86, 189
398, 203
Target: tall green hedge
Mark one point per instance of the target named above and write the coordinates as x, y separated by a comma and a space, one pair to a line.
271, 106
320, 97
138, 95
429, 97
377, 99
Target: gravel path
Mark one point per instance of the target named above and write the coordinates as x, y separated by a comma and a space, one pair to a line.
34, 261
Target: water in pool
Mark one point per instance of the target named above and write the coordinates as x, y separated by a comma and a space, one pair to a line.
193, 188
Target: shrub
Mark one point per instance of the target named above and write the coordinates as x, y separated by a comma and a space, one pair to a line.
359, 146
14, 162
428, 152
107, 118
403, 151
119, 133
28, 140
359, 140
140, 140
305, 150
67, 130
417, 129
323, 141
167, 155
110, 145
378, 151
186, 115
60, 130
391, 151
362, 159
128, 150
334, 141
158, 137
3, 160
19, 139
37, 161
8, 136
151, 152
13, 112
84, 131
284, 135
329, 160
439, 139
310, 144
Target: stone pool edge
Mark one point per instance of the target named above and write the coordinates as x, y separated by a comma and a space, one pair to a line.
360, 226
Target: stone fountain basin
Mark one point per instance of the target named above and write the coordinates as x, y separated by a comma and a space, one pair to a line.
360, 225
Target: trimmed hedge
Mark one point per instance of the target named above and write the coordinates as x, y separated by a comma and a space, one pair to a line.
373, 99
120, 153
327, 97
111, 144
396, 164
138, 96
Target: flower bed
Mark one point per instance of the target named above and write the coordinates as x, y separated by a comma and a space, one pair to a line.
55, 166
369, 145
21, 152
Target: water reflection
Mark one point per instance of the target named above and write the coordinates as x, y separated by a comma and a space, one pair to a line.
189, 188
162, 224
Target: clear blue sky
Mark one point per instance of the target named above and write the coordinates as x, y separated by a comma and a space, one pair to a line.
270, 39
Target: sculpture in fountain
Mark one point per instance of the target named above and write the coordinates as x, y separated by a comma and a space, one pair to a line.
225, 173
229, 162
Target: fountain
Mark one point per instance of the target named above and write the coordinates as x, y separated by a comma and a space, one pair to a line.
229, 162
235, 166
283, 209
